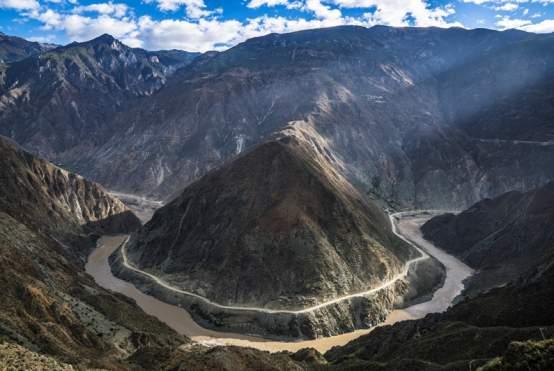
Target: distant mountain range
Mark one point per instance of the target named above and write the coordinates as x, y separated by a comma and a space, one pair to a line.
413, 115
65, 98
13, 49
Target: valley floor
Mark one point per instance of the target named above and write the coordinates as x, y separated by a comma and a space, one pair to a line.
406, 226
142, 207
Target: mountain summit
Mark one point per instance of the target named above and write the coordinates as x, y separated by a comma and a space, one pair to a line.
384, 99
77, 89
13, 49
275, 228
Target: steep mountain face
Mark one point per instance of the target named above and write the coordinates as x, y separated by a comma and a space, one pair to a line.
44, 196
278, 229
275, 228
489, 328
504, 94
48, 220
63, 100
501, 237
13, 48
382, 101
52, 314
50, 306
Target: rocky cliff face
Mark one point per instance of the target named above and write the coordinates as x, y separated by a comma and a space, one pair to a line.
62, 100
48, 220
50, 198
13, 48
383, 101
505, 93
502, 237
50, 306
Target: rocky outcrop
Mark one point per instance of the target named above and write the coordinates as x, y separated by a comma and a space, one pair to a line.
61, 101
48, 197
501, 237
13, 49
49, 219
50, 306
16, 357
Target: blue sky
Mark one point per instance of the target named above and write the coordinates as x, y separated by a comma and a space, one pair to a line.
200, 25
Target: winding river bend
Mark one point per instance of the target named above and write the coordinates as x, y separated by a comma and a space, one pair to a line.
405, 225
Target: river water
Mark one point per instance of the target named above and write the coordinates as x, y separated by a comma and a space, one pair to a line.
180, 320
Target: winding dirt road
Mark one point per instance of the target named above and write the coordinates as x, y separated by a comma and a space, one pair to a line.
404, 225
382, 286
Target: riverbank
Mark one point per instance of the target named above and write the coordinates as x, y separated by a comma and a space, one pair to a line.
181, 321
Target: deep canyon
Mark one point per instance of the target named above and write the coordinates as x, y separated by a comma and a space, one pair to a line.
340, 198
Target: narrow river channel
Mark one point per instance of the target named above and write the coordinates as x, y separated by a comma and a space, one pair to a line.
180, 320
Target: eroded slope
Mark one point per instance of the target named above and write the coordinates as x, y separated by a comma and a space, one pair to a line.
502, 237
275, 228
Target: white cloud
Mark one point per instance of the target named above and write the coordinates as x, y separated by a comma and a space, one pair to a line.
545, 26
259, 3
19, 4
204, 30
321, 11
82, 28
195, 8
389, 12
214, 34
117, 9
499, 4
395, 12
182, 34
508, 7
505, 23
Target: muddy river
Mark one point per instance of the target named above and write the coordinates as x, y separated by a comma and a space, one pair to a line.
180, 320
